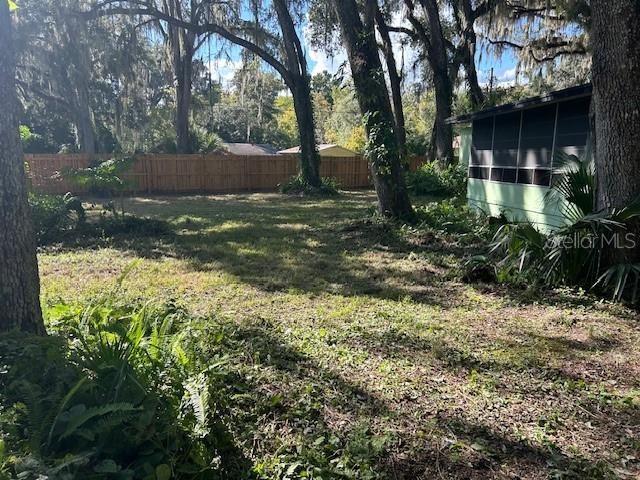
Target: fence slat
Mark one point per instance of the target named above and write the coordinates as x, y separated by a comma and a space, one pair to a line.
197, 173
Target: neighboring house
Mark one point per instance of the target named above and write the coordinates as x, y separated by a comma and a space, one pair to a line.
512, 149
249, 149
325, 150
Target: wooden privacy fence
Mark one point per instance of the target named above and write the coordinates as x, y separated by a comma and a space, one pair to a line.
195, 173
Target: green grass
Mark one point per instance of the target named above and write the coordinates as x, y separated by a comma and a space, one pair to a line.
357, 349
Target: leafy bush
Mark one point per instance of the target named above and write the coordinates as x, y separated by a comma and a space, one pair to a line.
433, 179
53, 215
450, 216
573, 254
104, 178
200, 141
206, 142
298, 186
115, 393
62, 220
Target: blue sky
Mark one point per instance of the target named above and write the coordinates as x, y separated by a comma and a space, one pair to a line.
504, 67
223, 66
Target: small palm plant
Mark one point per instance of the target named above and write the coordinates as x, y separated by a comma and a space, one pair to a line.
575, 253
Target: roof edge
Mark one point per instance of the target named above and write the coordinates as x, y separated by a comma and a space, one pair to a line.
531, 102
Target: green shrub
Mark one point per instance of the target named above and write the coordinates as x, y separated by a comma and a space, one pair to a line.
62, 220
573, 254
205, 142
296, 185
54, 215
106, 178
114, 393
453, 216
432, 179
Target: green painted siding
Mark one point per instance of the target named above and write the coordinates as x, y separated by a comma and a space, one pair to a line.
517, 202
465, 146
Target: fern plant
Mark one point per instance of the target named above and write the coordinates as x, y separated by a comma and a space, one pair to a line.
120, 397
53, 215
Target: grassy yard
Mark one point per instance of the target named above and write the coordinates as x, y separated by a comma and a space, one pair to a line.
355, 346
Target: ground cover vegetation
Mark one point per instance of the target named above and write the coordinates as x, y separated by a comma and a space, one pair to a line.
384, 363
280, 337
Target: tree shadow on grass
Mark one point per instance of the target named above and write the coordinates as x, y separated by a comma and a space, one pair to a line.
536, 370
314, 245
293, 244
456, 446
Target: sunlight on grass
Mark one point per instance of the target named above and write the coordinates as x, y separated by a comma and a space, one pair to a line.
367, 335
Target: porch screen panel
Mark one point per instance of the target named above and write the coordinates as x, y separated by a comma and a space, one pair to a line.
505, 142
536, 142
505, 147
572, 133
481, 141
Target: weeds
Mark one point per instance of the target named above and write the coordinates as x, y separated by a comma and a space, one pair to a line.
298, 186
432, 179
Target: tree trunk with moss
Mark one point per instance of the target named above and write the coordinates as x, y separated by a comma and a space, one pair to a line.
616, 105
382, 149
299, 82
19, 282
395, 81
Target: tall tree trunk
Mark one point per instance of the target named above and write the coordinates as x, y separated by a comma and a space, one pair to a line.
616, 105
395, 82
19, 282
84, 123
465, 19
309, 156
181, 44
431, 35
469, 63
71, 33
373, 98
183, 72
299, 82
437, 53
443, 147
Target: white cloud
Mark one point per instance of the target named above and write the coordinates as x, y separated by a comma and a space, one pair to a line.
508, 76
505, 78
321, 61
223, 69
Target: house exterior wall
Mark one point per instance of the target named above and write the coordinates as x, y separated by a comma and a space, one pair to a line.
511, 159
465, 146
336, 152
518, 203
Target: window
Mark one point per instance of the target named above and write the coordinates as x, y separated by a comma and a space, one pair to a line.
534, 176
481, 173
505, 140
536, 141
